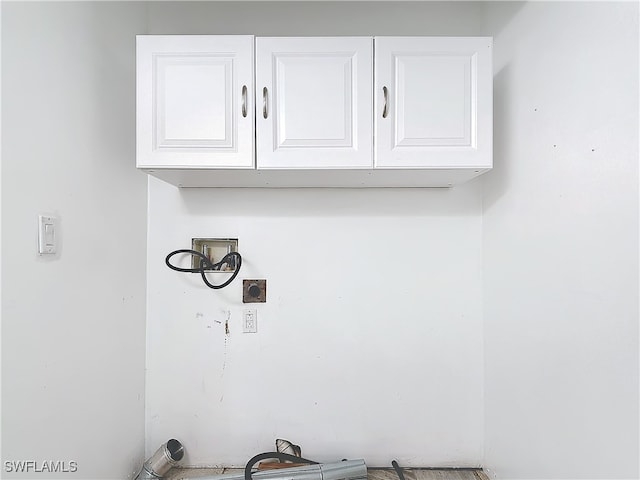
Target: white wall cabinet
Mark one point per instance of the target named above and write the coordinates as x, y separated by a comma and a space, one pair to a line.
319, 115
316, 96
433, 102
195, 101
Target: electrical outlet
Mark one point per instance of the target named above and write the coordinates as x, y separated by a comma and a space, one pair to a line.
250, 320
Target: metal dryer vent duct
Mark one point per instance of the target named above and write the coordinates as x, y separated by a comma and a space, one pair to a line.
344, 470
167, 456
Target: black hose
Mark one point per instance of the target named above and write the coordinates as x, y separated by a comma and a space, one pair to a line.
278, 455
398, 470
205, 265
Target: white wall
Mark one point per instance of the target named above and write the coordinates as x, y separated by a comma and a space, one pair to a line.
307, 18
561, 243
72, 325
369, 345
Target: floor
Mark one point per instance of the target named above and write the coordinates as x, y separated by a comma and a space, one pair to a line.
427, 474
372, 473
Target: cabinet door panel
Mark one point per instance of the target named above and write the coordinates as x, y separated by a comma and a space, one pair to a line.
195, 98
322, 86
438, 102
433, 85
318, 102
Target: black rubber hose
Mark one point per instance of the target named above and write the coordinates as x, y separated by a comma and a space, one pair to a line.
206, 265
278, 455
398, 470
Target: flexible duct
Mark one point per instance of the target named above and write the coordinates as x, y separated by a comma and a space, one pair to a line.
344, 470
167, 456
285, 446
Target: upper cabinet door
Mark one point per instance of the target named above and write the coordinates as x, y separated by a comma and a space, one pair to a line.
195, 101
433, 101
314, 102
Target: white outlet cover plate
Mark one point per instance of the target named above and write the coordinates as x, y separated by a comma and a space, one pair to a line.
249, 320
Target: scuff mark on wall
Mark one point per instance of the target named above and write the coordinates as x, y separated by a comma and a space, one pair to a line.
227, 333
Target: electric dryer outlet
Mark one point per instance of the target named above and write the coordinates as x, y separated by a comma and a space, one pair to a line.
254, 291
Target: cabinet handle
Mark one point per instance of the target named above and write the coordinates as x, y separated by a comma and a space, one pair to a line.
385, 109
265, 99
244, 100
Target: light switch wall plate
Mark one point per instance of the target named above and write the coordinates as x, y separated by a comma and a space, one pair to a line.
47, 234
